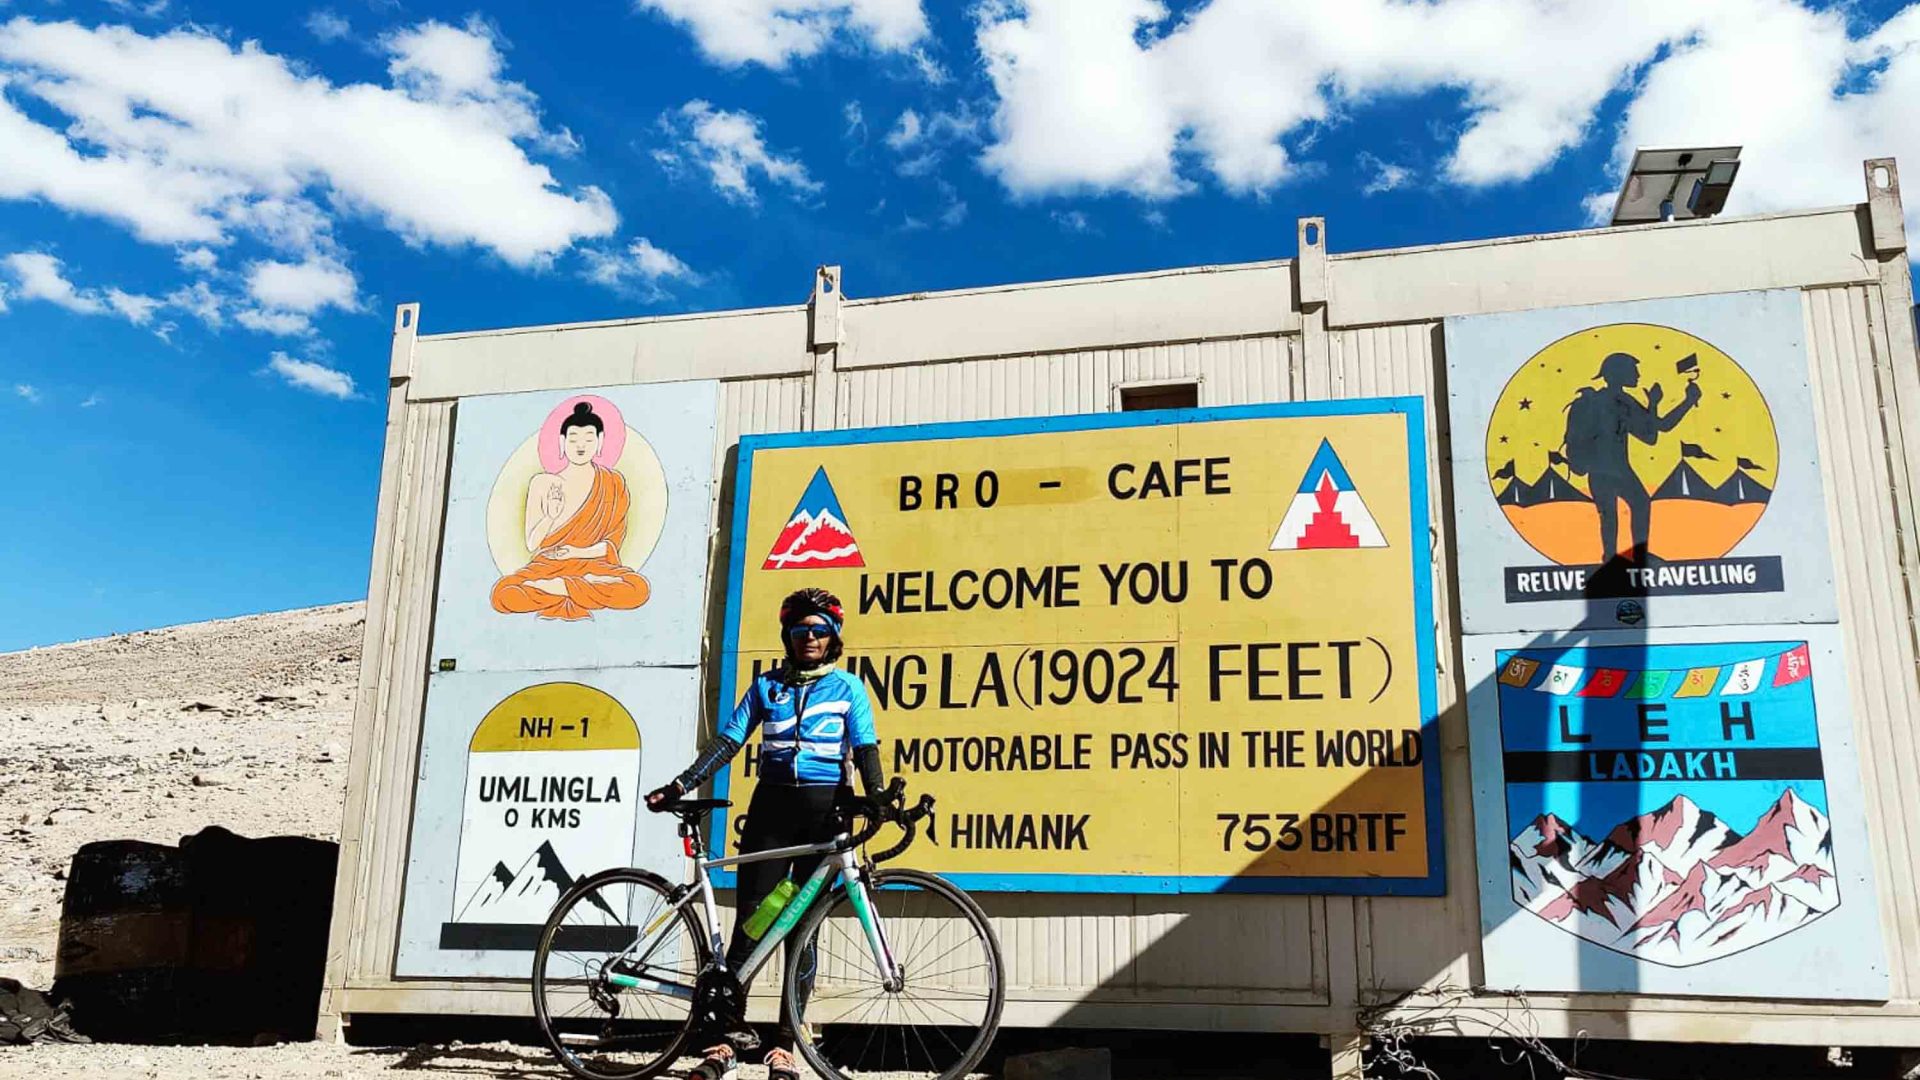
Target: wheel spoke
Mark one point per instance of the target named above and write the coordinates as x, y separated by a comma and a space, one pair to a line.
621, 1031
933, 1031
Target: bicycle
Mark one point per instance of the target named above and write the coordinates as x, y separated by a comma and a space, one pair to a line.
908, 977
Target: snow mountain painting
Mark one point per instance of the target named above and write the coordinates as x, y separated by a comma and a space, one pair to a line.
1672, 816
1677, 886
816, 536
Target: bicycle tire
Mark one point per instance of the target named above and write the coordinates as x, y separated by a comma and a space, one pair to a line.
643, 881
878, 884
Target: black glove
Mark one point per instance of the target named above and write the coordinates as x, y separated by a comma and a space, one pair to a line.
662, 797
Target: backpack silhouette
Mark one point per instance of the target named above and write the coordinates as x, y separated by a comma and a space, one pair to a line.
1587, 424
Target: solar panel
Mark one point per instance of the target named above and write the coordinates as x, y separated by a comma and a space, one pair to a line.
1660, 175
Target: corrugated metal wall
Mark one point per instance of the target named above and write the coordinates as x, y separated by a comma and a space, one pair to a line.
1052, 384
1421, 941
392, 689
1851, 383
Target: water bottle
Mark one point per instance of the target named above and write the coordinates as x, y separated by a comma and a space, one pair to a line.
769, 909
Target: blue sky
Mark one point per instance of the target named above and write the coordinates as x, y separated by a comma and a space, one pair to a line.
208, 210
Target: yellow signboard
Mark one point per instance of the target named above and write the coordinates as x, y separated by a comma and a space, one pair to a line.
1138, 652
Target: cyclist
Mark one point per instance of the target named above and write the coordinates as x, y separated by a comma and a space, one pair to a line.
815, 721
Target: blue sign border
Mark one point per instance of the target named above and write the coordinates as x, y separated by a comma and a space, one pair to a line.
1413, 409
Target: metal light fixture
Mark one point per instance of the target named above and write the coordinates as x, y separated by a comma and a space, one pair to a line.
1674, 184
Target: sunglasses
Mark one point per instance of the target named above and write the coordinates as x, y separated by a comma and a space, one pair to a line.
798, 633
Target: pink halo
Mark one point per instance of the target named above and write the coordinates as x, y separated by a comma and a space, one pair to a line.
613, 440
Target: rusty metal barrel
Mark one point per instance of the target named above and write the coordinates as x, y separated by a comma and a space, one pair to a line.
220, 939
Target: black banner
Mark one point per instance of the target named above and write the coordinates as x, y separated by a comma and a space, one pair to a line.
1638, 764
1690, 577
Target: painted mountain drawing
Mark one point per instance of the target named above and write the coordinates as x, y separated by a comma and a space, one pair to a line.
524, 895
1676, 886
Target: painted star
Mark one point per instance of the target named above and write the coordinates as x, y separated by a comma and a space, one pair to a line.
1525, 404
1503, 440
1726, 395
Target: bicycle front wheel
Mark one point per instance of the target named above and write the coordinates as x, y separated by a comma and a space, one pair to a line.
936, 1021
613, 976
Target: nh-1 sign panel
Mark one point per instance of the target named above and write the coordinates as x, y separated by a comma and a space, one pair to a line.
1184, 650
528, 782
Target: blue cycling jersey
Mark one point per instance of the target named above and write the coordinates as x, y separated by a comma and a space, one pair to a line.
808, 731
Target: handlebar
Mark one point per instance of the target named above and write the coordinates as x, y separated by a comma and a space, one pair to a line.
887, 807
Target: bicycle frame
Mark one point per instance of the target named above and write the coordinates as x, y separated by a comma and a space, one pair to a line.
840, 860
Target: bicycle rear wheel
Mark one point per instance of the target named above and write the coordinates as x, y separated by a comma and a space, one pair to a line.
942, 1019
613, 976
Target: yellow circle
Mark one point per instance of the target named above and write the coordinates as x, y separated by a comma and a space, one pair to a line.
1548, 499
556, 716
646, 507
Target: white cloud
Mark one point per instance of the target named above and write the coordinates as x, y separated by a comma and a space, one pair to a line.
729, 146
200, 259
1381, 175
311, 376
200, 301
922, 141
281, 323
774, 32
92, 400
1598, 207
1124, 97
3, 298
906, 130
952, 214
1154, 217
643, 269
304, 287
133, 307
329, 25
1073, 221
930, 69
184, 138
856, 121
39, 276
24, 390
153, 9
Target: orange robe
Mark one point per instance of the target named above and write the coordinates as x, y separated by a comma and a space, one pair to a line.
602, 518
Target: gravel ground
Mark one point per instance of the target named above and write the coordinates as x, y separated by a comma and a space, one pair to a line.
291, 1061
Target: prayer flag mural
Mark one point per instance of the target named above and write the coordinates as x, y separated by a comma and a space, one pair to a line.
1609, 456
1685, 821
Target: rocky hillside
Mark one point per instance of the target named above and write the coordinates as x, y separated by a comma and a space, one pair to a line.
242, 723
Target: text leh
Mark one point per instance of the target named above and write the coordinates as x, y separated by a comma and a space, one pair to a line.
1665, 764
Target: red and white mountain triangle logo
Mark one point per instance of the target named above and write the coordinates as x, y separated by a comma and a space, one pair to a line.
817, 536
1326, 511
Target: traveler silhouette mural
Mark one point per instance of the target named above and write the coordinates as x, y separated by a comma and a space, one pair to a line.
1631, 420
1600, 421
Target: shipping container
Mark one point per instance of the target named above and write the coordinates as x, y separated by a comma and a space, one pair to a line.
1326, 327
